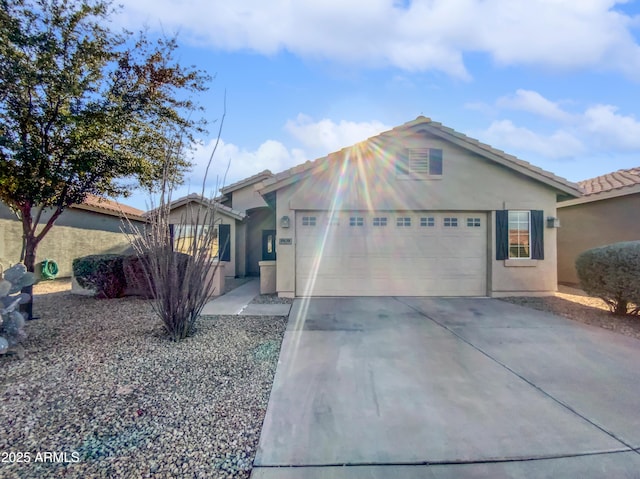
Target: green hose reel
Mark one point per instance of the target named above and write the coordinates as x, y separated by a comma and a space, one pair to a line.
49, 269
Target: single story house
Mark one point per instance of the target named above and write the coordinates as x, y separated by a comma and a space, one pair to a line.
420, 210
606, 213
93, 227
190, 210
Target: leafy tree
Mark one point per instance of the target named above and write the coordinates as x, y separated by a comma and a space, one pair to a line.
84, 110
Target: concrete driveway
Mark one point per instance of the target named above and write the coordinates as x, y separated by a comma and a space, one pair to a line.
449, 388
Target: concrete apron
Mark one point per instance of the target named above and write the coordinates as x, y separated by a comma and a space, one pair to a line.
457, 387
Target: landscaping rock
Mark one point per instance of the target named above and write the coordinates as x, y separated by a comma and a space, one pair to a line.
102, 384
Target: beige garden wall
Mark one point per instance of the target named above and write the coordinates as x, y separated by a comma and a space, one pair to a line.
597, 223
64, 243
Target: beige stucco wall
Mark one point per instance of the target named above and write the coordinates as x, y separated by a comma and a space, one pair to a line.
285, 254
508, 277
191, 212
469, 183
593, 224
77, 233
247, 198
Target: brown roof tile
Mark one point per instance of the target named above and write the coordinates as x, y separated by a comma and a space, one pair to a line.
110, 207
611, 181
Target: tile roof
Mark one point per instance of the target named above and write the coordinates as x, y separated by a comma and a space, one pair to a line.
247, 181
611, 181
449, 134
196, 198
110, 207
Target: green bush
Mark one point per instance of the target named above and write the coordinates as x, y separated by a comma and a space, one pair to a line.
102, 273
612, 272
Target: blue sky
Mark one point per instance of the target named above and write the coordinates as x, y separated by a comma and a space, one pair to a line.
554, 82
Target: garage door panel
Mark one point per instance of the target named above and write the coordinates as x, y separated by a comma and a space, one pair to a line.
368, 260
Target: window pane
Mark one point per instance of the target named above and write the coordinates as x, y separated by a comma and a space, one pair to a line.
435, 161
451, 222
429, 221
519, 234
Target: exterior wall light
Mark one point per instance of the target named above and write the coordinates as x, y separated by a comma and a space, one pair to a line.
553, 222
284, 222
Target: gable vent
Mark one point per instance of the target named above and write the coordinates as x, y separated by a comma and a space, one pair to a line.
419, 160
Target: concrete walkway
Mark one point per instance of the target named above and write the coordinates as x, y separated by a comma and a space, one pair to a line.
236, 302
449, 388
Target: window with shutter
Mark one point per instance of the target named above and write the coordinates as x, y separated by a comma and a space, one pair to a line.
419, 163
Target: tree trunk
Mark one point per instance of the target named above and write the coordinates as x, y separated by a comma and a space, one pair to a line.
31, 244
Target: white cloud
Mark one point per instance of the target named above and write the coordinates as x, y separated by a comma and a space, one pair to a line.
317, 138
599, 128
414, 36
325, 136
241, 163
507, 136
533, 102
612, 130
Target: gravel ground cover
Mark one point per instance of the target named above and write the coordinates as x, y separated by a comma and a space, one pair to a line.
270, 299
575, 305
102, 384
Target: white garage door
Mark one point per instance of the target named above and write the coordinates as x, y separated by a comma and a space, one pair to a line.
391, 254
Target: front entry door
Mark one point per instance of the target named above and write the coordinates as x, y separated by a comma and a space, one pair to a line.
268, 245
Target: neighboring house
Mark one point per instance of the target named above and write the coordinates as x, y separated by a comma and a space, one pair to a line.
420, 210
607, 213
94, 227
186, 211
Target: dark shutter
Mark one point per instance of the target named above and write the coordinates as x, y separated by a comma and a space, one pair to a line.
537, 234
402, 162
435, 161
502, 234
224, 242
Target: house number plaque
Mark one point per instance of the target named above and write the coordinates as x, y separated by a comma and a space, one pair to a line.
284, 241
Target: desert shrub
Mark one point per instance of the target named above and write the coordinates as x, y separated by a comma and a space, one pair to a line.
103, 273
612, 272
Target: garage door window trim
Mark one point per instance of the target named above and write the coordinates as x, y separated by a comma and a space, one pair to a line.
473, 222
450, 222
308, 221
403, 221
428, 221
356, 221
